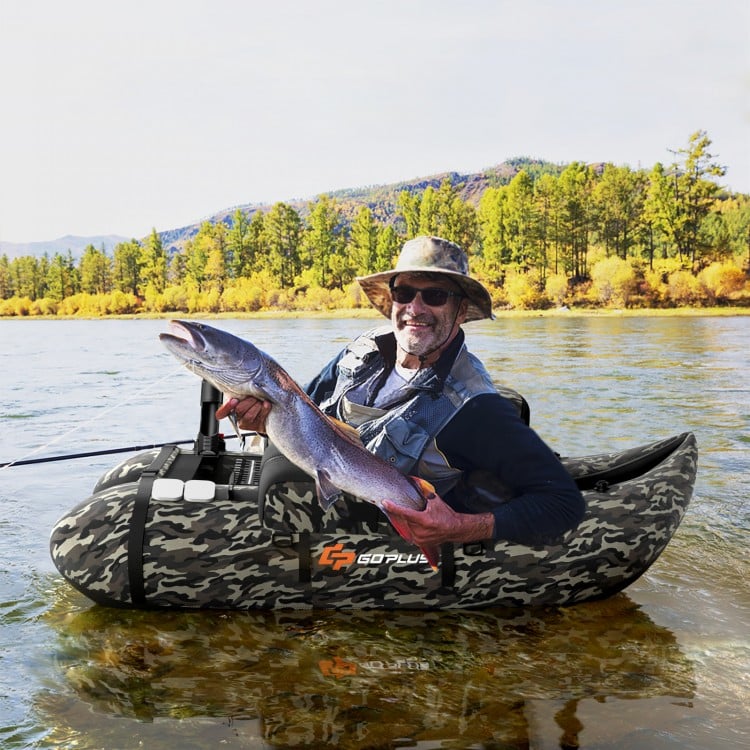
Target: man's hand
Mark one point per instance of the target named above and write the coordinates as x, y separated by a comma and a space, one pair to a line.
439, 523
251, 413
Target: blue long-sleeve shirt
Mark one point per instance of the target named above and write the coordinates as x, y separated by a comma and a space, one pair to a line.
507, 469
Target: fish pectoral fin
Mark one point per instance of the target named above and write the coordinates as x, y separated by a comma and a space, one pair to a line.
328, 494
424, 487
400, 528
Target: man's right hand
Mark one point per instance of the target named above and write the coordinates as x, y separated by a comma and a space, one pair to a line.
251, 413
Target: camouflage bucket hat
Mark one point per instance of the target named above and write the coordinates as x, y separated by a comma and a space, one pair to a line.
430, 255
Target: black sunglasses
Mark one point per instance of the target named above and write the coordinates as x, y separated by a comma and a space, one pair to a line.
432, 296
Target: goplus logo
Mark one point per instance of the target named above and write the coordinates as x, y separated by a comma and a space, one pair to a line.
337, 557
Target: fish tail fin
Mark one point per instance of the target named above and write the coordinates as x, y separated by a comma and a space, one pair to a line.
432, 553
433, 556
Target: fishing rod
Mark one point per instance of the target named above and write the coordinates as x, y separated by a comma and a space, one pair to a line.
209, 438
108, 452
88, 454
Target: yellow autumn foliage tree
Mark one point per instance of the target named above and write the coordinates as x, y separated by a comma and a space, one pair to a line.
614, 281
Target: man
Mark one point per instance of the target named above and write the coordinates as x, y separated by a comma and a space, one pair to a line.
420, 400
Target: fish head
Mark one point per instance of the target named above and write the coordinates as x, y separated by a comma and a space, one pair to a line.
233, 365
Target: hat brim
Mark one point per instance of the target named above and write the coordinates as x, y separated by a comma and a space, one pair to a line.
376, 287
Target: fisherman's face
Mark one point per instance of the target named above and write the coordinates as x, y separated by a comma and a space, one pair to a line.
421, 329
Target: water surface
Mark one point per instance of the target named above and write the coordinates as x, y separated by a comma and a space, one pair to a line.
666, 664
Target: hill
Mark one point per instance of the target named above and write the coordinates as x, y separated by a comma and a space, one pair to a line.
383, 199
61, 245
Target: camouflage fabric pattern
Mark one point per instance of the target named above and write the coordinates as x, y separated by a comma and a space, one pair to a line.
127, 471
212, 554
232, 552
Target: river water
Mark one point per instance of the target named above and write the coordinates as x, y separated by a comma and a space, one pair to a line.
665, 664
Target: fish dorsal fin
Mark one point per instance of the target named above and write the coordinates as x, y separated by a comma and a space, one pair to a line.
346, 430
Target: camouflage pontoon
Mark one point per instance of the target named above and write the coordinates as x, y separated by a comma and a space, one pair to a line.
211, 528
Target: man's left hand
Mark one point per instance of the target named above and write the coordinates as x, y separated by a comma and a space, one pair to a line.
439, 523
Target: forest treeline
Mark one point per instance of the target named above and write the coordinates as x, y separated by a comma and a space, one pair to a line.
578, 235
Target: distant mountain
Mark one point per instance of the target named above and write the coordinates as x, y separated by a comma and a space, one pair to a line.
76, 245
381, 199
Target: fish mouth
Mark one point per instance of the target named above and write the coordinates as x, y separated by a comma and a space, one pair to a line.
184, 336
214, 355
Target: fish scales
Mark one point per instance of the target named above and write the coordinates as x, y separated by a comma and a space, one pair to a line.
295, 424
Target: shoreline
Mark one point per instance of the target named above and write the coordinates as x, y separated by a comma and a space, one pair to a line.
371, 314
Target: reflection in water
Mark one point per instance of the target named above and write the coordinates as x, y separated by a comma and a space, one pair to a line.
601, 675
359, 679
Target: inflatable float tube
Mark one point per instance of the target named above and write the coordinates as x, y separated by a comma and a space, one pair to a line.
210, 528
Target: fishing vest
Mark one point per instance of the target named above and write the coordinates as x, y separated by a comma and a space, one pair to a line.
403, 433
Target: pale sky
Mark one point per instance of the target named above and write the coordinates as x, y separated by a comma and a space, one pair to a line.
117, 118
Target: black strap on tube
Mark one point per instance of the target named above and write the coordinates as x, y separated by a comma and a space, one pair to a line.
137, 531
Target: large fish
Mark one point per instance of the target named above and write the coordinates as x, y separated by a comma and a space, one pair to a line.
322, 448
